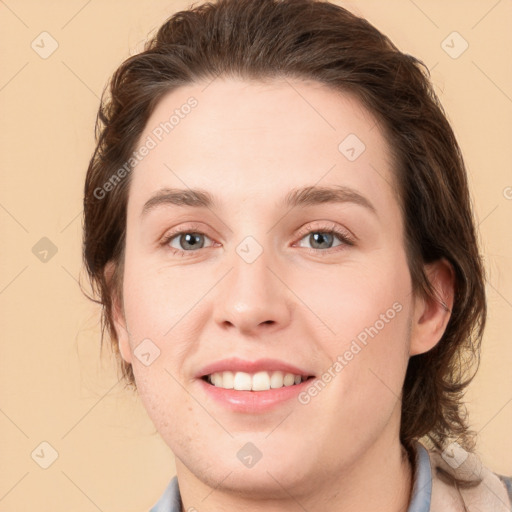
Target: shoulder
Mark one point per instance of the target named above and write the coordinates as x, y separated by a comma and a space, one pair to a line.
461, 482
507, 481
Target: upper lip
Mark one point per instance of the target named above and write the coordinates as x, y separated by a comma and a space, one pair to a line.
243, 365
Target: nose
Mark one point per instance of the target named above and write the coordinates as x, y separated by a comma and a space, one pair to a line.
253, 297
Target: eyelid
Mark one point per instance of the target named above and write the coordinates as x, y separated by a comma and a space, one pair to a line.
196, 228
187, 227
328, 227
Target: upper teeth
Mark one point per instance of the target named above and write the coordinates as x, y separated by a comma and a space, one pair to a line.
260, 381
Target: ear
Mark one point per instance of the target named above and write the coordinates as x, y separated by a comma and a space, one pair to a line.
118, 317
431, 315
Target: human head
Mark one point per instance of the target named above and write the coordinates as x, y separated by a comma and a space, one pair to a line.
264, 40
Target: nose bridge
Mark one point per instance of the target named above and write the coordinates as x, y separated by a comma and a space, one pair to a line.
252, 295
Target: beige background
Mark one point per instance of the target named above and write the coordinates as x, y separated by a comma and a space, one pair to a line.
53, 385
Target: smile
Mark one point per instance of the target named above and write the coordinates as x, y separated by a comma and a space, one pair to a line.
259, 381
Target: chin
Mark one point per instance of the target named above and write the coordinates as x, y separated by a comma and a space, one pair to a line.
268, 476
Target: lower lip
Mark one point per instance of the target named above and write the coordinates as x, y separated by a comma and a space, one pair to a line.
253, 401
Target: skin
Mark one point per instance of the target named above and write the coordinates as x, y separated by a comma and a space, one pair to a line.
249, 144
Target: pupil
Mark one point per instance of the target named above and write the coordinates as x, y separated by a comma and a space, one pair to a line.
190, 237
320, 237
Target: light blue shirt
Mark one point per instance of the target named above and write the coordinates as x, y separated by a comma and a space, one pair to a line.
170, 501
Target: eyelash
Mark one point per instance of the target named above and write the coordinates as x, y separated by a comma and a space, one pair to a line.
331, 229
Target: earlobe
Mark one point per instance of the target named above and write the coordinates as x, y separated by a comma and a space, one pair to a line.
118, 316
431, 315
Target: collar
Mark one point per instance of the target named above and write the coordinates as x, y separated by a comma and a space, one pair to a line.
422, 487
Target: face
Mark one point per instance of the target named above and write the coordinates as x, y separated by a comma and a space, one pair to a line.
316, 282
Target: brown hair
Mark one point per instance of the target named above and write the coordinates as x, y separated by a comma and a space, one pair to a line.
313, 40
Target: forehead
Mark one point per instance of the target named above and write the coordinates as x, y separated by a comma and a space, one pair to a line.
246, 140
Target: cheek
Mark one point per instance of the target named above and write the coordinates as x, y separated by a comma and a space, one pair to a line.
371, 381
350, 298
159, 299
170, 407
368, 312
164, 308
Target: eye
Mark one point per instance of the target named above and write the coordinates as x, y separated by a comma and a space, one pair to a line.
322, 238
181, 242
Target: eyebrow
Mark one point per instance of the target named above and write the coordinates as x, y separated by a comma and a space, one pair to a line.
305, 196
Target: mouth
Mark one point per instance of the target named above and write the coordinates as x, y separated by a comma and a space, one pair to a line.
257, 382
253, 387
254, 393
